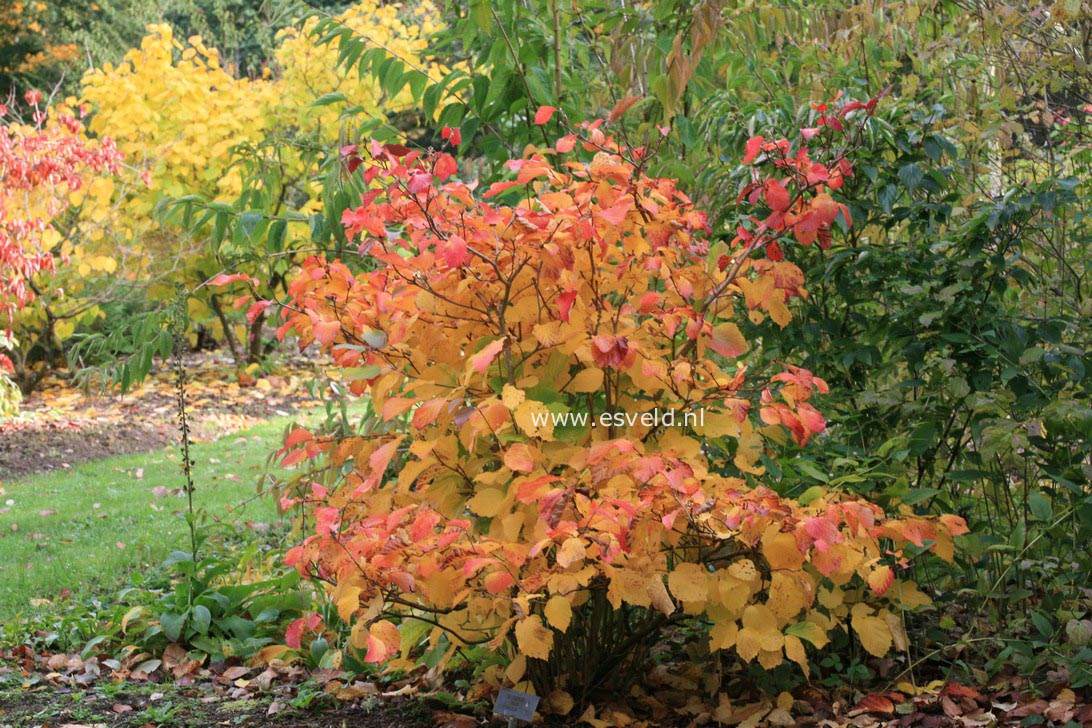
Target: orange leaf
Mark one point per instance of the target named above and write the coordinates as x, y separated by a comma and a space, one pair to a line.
881, 579
326, 331
622, 107
875, 703
498, 582
383, 642
481, 361
518, 458
728, 341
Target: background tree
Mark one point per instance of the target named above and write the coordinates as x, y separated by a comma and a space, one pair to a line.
43, 161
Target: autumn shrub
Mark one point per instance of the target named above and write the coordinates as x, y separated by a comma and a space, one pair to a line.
578, 288
46, 160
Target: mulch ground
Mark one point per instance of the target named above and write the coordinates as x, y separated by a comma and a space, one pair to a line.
60, 426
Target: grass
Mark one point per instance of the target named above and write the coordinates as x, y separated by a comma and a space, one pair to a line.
88, 528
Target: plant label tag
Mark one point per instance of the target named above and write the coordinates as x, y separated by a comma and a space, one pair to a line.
514, 704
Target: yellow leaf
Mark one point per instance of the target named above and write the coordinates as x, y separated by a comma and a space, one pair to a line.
534, 419
689, 583
744, 570
559, 612
358, 637
512, 397
718, 424
487, 502
571, 552
881, 578
103, 263
831, 599
534, 638
347, 600
786, 597
779, 312
780, 549
128, 616
734, 594
270, 653
516, 669
630, 586
588, 380
723, 635
874, 634
65, 328
442, 587
759, 633
658, 595
909, 596
794, 650
771, 659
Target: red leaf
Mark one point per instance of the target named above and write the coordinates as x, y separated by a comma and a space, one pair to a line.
296, 436
445, 166
565, 303
228, 278
751, 150
419, 183
453, 136
531, 490
256, 310
777, 197
453, 251
543, 114
363, 218
616, 215
428, 413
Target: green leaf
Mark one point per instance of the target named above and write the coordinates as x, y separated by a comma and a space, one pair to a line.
482, 13
276, 235
327, 99
810, 469
917, 495
202, 618
375, 339
1042, 624
172, 625
1039, 506
911, 176
249, 221
319, 647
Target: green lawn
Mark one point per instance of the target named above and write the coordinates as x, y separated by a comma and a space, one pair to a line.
87, 529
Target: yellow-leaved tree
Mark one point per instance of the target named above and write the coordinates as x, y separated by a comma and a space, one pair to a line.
248, 152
